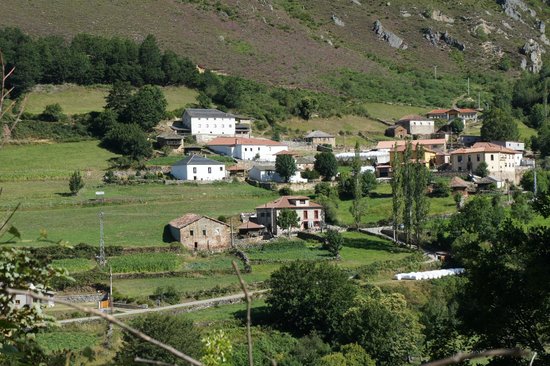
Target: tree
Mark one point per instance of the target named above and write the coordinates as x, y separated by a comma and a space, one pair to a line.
129, 140
119, 96
397, 193
498, 124
521, 209
541, 204
507, 295
150, 60
306, 107
326, 164
441, 189
358, 209
457, 126
537, 116
102, 122
217, 349
76, 183
528, 180
482, 169
203, 100
288, 219
334, 242
285, 166
368, 183
479, 215
177, 332
147, 107
349, 355
421, 203
310, 296
383, 325
52, 113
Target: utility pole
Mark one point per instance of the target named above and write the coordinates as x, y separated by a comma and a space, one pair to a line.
468, 86
231, 226
535, 178
111, 300
101, 259
435, 72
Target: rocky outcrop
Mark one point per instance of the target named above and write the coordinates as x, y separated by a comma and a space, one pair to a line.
533, 56
440, 17
339, 22
514, 9
388, 36
356, 2
437, 37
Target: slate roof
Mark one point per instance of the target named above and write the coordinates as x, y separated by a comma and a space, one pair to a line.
197, 160
190, 218
284, 202
316, 134
207, 113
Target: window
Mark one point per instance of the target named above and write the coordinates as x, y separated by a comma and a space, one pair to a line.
204, 232
305, 215
316, 214
194, 169
17, 302
209, 170
469, 158
302, 202
478, 157
207, 126
191, 232
196, 245
221, 169
262, 214
492, 157
258, 148
222, 126
459, 158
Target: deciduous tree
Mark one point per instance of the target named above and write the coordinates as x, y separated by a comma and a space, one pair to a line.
498, 124
147, 107
326, 164
334, 242
288, 219
285, 166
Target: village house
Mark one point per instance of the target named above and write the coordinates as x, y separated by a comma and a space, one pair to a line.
423, 155
460, 186
311, 214
198, 168
267, 173
320, 137
206, 124
247, 148
26, 300
501, 161
396, 131
465, 114
201, 233
417, 125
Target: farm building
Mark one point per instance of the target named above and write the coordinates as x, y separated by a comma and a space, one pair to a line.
247, 148
208, 123
417, 125
396, 131
196, 167
320, 137
198, 232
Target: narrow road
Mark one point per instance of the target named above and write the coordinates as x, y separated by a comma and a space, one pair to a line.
192, 305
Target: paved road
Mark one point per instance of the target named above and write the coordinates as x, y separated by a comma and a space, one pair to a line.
199, 304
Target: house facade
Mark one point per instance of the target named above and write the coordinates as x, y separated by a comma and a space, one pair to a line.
267, 173
465, 114
417, 125
208, 123
198, 168
397, 131
247, 148
432, 144
423, 155
501, 161
201, 233
310, 214
320, 137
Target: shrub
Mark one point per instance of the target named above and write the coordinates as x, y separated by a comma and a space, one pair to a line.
167, 294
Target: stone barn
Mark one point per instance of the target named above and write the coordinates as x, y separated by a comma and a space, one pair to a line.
198, 232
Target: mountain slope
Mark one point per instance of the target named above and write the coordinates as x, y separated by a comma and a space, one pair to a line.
301, 43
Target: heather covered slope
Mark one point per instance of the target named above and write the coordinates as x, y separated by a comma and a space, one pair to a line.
303, 43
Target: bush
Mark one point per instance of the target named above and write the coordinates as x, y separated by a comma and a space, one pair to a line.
52, 113
167, 294
441, 189
310, 174
285, 191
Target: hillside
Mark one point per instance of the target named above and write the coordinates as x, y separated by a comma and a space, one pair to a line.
307, 43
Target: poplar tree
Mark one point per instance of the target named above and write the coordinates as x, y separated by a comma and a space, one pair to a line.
397, 193
408, 194
418, 188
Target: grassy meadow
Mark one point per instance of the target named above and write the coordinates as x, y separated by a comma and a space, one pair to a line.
75, 99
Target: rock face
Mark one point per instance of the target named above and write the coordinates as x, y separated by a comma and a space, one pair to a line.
339, 22
390, 37
436, 37
356, 2
512, 8
533, 56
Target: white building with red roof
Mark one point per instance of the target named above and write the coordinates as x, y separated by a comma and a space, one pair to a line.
247, 148
311, 214
501, 161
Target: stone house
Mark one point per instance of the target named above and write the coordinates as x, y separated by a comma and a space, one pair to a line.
171, 140
397, 131
417, 125
310, 214
320, 137
198, 232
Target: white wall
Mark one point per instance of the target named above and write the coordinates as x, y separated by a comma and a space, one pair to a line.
222, 149
199, 172
273, 176
266, 152
209, 126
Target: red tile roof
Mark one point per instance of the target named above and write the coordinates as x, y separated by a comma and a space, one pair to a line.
232, 141
284, 202
438, 111
190, 218
485, 147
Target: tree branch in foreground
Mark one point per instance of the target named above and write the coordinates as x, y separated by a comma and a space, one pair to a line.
248, 316
113, 320
459, 357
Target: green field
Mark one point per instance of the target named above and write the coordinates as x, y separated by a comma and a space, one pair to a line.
76, 99
389, 112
